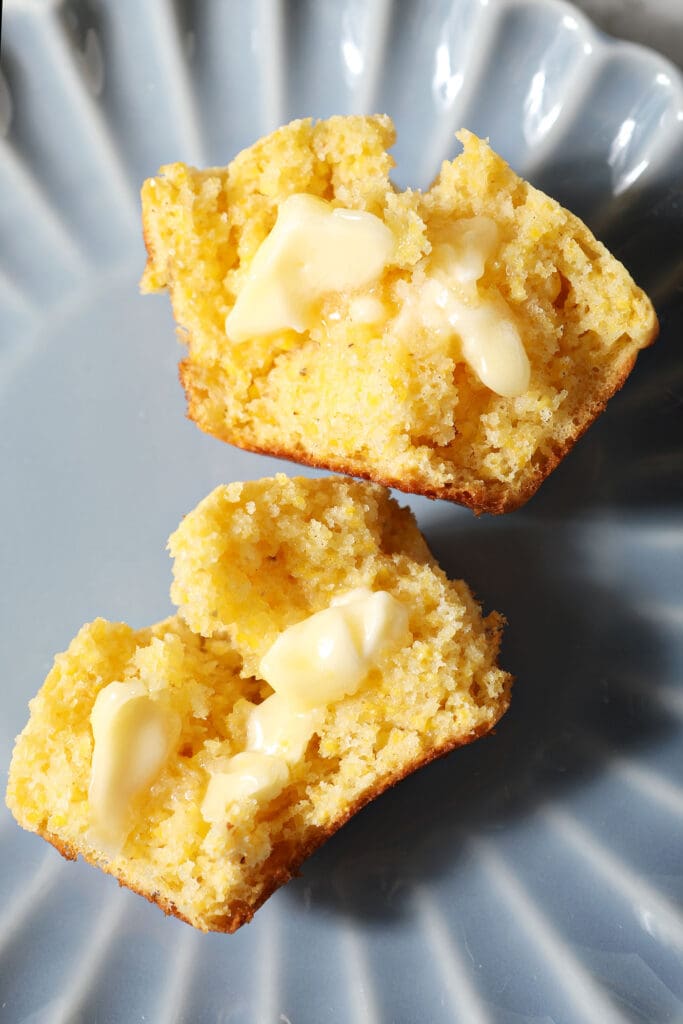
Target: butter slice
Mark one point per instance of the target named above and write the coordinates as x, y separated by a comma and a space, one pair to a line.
313, 249
383, 620
134, 736
326, 656
445, 300
248, 774
471, 242
311, 664
280, 727
491, 345
490, 342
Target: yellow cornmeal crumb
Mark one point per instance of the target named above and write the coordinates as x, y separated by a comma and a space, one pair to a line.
249, 560
358, 397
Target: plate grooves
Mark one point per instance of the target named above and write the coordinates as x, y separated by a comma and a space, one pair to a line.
267, 975
57, 44
46, 219
465, 1001
363, 1008
648, 783
590, 1001
598, 49
665, 149
670, 134
670, 697
463, 81
45, 877
654, 912
178, 80
577, 86
364, 96
90, 960
173, 1008
270, 30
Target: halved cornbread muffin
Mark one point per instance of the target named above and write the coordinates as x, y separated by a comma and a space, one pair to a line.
318, 656
454, 343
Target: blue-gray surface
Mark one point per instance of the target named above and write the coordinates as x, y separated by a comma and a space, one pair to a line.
535, 876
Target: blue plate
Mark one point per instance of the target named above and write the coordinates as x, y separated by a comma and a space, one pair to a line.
535, 876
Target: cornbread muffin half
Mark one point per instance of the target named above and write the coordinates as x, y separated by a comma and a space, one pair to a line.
165, 757
454, 343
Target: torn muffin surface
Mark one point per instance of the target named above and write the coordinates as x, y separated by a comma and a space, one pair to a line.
319, 654
454, 343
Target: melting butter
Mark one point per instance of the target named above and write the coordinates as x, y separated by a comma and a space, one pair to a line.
491, 345
311, 664
470, 243
279, 726
326, 656
445, 299
133, 736
314, 249
247, 774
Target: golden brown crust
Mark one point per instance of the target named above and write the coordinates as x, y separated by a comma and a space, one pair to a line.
148, 247
241, 913
451, 693
71, 852
483, 496
479, 493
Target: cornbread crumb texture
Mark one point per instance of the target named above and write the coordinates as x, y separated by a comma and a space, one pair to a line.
250, 560
373, 388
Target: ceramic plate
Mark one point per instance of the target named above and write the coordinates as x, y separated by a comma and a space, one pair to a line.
533, 877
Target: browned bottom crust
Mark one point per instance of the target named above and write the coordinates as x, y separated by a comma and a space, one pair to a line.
481, 496
278, 873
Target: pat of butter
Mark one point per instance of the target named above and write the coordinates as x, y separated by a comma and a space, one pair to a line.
248, 774
134, 736
471, 242
491, 345
327, 656
445, 300
383, 620
280, 727
313, 249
